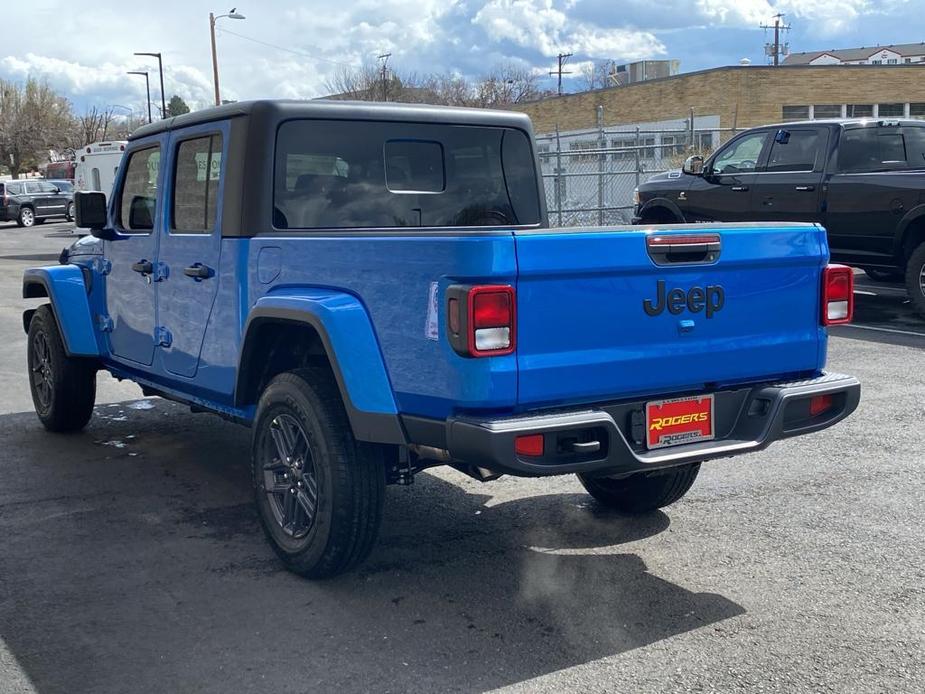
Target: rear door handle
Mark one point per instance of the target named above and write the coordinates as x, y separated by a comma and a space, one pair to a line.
145, 267
739, 189
804, 189
198, 271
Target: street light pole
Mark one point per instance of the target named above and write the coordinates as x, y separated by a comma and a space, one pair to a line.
160, 69
147, 88
212, 19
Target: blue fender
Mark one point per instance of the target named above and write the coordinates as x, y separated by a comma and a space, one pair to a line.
347, 334
64, 285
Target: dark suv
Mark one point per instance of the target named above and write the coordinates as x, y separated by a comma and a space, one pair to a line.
32, 201
864, 180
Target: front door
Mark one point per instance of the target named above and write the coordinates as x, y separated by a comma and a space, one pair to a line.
133, 273
190, 244
789, 186
50, 201
724, 192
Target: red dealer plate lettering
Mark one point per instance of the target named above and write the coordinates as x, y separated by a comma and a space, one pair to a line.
679, 421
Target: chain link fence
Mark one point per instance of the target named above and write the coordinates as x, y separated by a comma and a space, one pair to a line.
590, 176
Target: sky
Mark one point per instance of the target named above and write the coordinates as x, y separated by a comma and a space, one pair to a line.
289, 49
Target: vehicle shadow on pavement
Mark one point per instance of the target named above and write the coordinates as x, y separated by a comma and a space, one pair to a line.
132, 560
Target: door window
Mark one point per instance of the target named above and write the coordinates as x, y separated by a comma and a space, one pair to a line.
869, 149
915, 147
741, 156
138, 199
46, 187
794, 150
31, 187
197, 172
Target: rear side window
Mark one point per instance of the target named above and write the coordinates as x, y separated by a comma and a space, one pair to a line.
794, 150
871, 149
197, 171
138, 199
343, 174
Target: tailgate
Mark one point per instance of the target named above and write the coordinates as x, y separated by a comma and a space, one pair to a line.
599, 319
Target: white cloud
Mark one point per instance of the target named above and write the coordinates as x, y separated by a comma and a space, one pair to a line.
540, 25
828, 17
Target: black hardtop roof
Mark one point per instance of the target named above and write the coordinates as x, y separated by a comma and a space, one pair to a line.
846, 122
279, 110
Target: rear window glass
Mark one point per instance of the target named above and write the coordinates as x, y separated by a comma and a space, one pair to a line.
794, 150
871, 149
342, 174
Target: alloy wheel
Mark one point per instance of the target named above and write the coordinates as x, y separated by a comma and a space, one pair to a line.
27, 217
42, 375
289, 476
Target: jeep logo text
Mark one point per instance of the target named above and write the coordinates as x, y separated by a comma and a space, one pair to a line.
695, 300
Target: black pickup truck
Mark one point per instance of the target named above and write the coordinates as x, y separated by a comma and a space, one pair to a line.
864, 180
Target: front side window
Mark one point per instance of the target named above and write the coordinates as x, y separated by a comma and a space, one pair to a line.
197, 171
138, 198
343, 174
46, 187
915, 147
870, 149
741, 156
794, 150
31, 187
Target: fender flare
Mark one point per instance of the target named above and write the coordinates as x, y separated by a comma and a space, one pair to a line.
664, 203
64, 286
916, 214
348, 338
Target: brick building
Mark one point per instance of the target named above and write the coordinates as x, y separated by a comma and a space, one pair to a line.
742, 96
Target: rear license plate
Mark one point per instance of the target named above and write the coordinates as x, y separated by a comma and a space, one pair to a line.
679, 421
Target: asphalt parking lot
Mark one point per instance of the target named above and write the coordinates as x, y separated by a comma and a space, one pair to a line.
131, 559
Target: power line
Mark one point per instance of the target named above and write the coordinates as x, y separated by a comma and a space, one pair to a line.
563, 57
775, 50
294, 51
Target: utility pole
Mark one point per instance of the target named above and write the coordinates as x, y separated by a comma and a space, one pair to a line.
384, 74
563, 57
160, 69
775, 50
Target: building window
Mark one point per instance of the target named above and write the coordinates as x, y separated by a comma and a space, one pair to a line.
796, 113
876, 62
860, 111
705, 142
908, 60
892, 61
578, 145
672, 145
624, 143
891, 110
827, 111
917, 111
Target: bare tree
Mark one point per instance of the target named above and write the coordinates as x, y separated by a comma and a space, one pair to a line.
599, 75
33, 120
505, 85
93, 126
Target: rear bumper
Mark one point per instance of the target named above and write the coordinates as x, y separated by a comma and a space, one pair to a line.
748, 419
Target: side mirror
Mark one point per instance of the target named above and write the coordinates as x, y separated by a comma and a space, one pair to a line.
693, 165
90, 213
57, 190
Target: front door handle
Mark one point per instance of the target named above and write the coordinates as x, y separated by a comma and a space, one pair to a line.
198, 271
145, 267
805, 189
739, 189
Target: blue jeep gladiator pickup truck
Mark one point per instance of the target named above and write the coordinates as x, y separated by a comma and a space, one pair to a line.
374, 290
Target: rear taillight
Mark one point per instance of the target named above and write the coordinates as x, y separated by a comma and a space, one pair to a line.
820, 404
481, 320
837, 295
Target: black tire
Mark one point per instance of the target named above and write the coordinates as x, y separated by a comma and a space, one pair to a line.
63, 388
69, 214
883, 275
642, 492
328, 523
915, 279
26, 217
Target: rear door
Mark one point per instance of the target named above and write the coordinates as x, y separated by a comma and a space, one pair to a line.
724, 192
868, 194
598, 318
190, 244
789, 186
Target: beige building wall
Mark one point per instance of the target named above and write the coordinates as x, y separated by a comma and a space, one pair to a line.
742, 96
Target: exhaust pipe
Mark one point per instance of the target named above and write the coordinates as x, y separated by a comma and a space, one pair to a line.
441, 455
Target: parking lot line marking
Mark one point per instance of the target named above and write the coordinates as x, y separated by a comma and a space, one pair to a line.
885, 330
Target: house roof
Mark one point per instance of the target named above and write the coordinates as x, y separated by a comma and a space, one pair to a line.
863, 53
